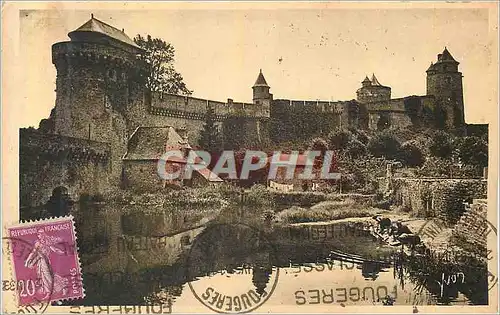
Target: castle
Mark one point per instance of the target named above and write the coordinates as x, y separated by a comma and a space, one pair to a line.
101, 101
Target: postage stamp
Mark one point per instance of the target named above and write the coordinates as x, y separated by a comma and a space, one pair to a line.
45, 262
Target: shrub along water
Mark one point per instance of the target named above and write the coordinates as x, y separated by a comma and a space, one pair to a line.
325, 211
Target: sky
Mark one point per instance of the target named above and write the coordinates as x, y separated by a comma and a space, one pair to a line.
314, 53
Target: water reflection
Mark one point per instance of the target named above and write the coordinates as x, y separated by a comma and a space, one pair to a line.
260, 278
132, 276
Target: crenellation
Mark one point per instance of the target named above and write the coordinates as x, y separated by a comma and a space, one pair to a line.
37, 144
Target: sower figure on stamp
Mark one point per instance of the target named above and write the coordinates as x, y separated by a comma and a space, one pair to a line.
39, 259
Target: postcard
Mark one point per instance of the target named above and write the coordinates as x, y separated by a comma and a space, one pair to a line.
249, 157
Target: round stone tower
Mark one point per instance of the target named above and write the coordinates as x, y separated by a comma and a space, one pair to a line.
99, 75
373, 91
444, 82
261, 95
98, 72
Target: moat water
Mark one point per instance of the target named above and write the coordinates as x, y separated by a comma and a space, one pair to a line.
236, 267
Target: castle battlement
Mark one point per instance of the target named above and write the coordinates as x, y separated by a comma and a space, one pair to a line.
336, 107
94, 51
395, 104
34, 143
188, 107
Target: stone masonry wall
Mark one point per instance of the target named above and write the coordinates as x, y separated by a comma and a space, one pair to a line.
141, 176
292, 119
49, 161
472, 229
196, 108
435, 197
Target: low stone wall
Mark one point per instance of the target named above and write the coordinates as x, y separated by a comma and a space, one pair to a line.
437, 197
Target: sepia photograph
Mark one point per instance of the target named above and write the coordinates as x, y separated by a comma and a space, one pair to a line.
274, 157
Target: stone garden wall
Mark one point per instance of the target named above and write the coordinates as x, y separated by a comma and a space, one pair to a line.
437, 197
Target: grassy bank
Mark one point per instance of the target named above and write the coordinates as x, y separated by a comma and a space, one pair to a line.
326, 211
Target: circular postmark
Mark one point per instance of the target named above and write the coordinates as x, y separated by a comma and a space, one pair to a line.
32, 291
230, 268
473, 238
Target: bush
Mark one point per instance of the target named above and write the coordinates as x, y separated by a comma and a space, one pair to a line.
473, 151
351, 181
384, 204
411, 155
324, 211
356, 149
298, 198
318, 144
435, 167
259, 195
338, 139
362, 137
384, 145
360, 174
441, 145
450, 200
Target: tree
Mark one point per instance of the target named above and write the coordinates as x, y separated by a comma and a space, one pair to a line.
159, 57
473, 151
339, 139
384, 145
355, 148
441, 145
411, 155
210, 139
318, 144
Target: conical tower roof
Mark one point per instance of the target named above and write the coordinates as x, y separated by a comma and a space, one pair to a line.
261, 81
374, 80
366, 80
96, 26
431, 67
445, 56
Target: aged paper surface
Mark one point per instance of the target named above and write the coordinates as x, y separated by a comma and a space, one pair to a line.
249, 157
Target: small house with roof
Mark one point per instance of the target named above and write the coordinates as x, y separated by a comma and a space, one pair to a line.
140, 163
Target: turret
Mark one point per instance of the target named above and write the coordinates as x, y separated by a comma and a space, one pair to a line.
444, 82
372, 91
261, 93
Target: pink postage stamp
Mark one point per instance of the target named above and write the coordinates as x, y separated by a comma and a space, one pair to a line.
45, 261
